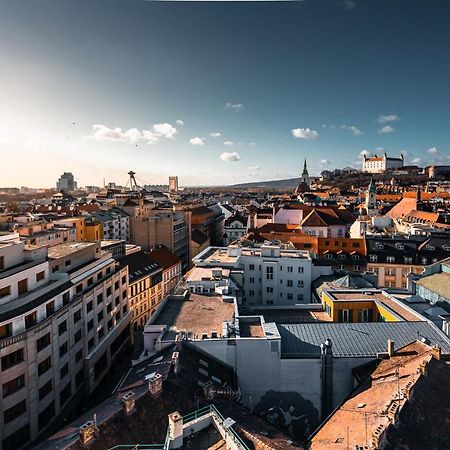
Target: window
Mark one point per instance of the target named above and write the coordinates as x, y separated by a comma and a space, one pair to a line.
301, 269
290, 296
43, 342
22, 286
251, 267
45, 390
110, 324
40, 276
116, 301
91, 344
13, 386
124, 309
12, 359
64, 371
345, 315
14, 412
30, 320
390, 259
289, 283
355, 257
77, 336
99, 298
6, 330
5, 291
62, 327
50, 308
68, 263
373, 258
109, 307
251, 293
89, 306
100, 316
328, 256
356, 268
90, 325
252, 280
77, 316
341, 267
78, 355
108, 291
408, 259
46, 415
66, 298
99, 276
342, 256
63, 349
101, 334
269, 273
300, 283
65, 394
90, 281
79, 378
79, 288
300, 297
44, 365
424, 261
269, 290
290, 269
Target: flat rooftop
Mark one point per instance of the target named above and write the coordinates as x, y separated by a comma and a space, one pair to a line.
206, 273
293, 315
197, 314
438, 283
61, 250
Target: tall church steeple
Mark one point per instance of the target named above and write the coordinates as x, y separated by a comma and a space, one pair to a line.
371, 199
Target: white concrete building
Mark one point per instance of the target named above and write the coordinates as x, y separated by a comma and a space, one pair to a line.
63, 319
381, 164
269, 275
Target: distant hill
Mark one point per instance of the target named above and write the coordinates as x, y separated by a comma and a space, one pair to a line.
287, 183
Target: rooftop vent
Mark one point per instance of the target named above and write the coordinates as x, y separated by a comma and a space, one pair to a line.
87, 432
129, 402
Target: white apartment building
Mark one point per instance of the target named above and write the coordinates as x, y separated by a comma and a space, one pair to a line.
381, 164
63, 319
115, 224
270, 275
42, 234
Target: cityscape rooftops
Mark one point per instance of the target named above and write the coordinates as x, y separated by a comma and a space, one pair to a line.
438, 283
68, 248
355, 339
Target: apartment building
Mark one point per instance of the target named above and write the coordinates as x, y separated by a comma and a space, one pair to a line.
210, 221
115, 224
63, 319
151, 228
271, 275
45, 234
172, 268
145, 286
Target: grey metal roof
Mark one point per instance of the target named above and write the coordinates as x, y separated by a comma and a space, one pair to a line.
355, 339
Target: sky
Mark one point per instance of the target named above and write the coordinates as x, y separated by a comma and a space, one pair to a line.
218, 92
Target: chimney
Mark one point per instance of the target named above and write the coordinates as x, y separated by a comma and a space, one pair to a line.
155, 385
87, 432
326, 375
129, 402
176, 362
391, 350
176, 430
436, 352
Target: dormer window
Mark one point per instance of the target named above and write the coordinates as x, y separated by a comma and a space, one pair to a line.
379, 246
431, 247
400, 246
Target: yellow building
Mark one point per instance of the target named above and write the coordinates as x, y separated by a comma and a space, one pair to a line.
145, 286
93, 231
365, 306
78, 223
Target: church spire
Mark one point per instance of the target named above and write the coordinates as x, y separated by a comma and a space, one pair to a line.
305, 169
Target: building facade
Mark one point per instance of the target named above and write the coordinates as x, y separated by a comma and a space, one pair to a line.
64, 319
66, 182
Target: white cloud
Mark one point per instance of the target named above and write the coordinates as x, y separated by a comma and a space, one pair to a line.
179, 122
215, 134
252, 144
165, 130
234, 106
386, 129
102, 132
229, 143
353, 130
324, 161
363, 153
305, 133
433, 151
197, 141
253, 168
227, 156
416, 160
157, 131
384, 118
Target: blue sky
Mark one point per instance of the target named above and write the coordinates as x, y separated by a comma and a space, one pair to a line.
99, 87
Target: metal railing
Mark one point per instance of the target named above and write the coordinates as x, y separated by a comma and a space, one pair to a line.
209, 410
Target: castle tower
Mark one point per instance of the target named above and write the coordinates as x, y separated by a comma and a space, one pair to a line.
371, 199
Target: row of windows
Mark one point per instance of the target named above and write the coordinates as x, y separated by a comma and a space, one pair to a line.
289, 295
22, 285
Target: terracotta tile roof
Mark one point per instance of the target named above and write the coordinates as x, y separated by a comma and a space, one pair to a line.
164, 257
419, 416
403, 208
